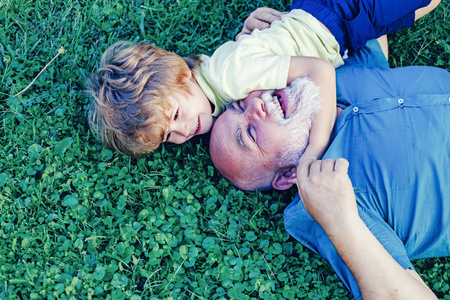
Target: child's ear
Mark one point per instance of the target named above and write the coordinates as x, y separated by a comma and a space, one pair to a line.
285, 178
186, 76
189, 76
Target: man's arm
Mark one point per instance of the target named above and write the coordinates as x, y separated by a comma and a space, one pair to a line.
327, 194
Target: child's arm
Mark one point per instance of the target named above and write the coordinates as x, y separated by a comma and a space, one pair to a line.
323, 74
320, 71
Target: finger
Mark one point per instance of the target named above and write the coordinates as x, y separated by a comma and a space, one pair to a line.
269, 12
268, 18
256, 23
315, 168
304, 166
341, 165
305, 159
328, 165
262, 25
293, 179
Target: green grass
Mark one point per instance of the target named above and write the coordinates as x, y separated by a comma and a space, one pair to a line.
78, 221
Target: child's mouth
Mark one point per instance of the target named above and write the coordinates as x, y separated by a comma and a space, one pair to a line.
199, 127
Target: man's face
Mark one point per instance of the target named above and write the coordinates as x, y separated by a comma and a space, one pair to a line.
264, 133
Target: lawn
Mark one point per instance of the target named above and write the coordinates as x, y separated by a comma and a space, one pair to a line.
78, 221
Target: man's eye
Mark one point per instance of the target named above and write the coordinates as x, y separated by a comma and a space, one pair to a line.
240, 106
250, 134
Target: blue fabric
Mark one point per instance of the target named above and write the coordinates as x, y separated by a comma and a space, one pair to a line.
354, 22
395, 133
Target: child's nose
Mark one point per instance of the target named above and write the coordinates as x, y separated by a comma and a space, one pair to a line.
183, 130
256, 110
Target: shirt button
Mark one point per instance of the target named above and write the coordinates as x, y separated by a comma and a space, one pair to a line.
448, 99
355, 109
400, 101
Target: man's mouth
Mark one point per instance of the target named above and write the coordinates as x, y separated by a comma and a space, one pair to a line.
280, 100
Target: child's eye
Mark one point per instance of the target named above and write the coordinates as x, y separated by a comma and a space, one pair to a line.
176, 115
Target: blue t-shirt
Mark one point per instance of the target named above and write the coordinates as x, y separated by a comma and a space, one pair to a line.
395, 133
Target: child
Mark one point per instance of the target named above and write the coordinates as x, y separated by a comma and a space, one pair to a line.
144, 95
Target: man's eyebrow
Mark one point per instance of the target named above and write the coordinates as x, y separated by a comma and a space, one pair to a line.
230, 106
238, 132
239, 138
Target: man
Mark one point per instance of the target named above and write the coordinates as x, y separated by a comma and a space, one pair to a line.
392, 137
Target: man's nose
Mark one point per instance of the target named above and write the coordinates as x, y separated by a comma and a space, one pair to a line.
255, 110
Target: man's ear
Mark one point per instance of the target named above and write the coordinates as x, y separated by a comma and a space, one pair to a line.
284, 177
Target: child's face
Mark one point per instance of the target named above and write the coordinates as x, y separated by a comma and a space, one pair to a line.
190, 114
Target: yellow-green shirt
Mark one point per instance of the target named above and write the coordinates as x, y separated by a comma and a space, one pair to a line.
261, 60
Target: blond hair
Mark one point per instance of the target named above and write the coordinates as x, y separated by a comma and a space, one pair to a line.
129, 110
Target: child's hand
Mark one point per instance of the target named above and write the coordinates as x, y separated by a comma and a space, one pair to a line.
260, 19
